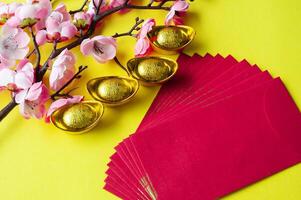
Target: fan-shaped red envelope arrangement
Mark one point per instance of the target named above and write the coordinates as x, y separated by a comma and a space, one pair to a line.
216, 127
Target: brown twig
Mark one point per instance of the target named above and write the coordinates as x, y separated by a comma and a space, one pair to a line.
75, 76
80, 9
37, 50
30, 53
97, 18
120, 65
6, 110
130, 32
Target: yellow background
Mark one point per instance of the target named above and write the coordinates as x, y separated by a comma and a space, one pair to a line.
39, 162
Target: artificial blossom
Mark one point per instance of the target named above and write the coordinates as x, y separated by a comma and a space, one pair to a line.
38, 22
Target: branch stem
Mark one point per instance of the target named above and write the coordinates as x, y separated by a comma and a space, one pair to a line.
97, 18
37, 50
75, 76
80, 9
120, 65
130, 32
6, 110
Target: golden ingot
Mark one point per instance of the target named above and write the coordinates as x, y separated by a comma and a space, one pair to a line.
152, 70
113, 90
79, 117
170, 39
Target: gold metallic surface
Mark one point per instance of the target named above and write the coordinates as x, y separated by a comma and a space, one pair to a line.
78, 117
170, 39
113, 90
152, 70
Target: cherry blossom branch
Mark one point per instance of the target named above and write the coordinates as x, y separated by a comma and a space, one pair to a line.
130, 32
75, 76
31, 53
6, 110
80, 9
97, 18
37, 50
120, 65
92, 27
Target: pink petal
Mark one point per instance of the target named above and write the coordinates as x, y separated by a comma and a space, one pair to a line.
86, 46
26, 11
53, 21
20, 96
34, 92
180, 6
68, 30
8, 31
142, 47
60, 103
146, 27
13, 21
61, 8
5, 63
53, 78
24, 109
41, 37
20, 53
22, 39
42, 13
25, 74
22, 64
45, 96
105, 40
169, 17
23, 81
109, 54
6, 76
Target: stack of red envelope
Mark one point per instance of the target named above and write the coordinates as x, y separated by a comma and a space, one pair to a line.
216, 127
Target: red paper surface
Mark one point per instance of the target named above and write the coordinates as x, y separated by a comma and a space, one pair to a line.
208, 153
218, 126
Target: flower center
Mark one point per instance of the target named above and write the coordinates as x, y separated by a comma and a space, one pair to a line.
9, 44
98, 48
32, 105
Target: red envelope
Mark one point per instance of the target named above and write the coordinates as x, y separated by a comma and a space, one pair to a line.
247, 84
133, 158
208, 153
218, 94
213, 84
182, 77
182, 83
126, 182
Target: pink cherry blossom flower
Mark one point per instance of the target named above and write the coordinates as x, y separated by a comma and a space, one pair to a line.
32, 12
102, 48
92, 9
147, 26
7, 79
7, 11
5, 63
116, 3
32, 101
60, 103
13, 43
180, 6
143, 46
62, 70
59, 27
18, 80
82, 20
